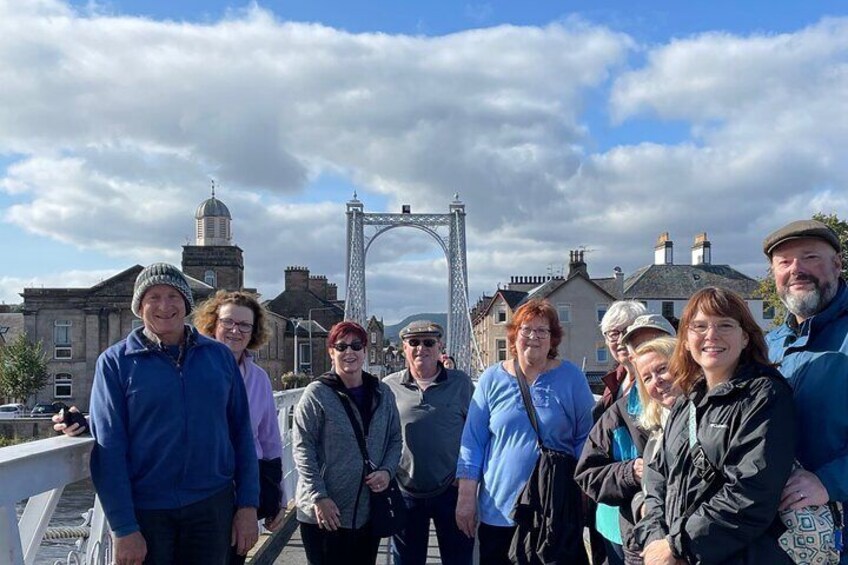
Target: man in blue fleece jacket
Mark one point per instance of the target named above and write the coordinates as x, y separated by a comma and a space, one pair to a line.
174, 454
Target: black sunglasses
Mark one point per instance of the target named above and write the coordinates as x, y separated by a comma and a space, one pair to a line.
355, 345
416, 342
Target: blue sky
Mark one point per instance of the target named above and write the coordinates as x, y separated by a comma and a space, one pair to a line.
560, 124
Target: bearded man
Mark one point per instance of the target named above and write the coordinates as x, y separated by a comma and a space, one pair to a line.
811, 350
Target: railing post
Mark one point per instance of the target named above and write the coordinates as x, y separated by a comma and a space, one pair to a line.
35, 519
10, 537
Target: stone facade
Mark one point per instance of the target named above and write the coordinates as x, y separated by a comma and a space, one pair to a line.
375, 356
219, 266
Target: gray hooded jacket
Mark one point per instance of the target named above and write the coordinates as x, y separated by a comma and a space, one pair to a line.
326, 453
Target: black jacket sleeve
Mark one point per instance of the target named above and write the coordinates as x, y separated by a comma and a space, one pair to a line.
755, 469
598, 474
653, 524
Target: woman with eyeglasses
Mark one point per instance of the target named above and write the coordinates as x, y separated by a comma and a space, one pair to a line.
499, 447
333, 488
713, 489
238, 320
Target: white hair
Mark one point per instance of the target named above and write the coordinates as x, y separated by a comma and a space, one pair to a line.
622, 313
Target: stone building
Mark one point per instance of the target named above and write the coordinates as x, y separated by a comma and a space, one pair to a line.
76, 324
376, 355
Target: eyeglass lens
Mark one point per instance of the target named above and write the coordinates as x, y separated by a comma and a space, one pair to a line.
416, 342
355, 345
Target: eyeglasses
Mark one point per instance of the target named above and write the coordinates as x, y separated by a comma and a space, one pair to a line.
613, 335
341, 347
723, 328
414, 342
229, 324
541, 333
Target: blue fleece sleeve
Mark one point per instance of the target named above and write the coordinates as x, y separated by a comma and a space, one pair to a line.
241, 435
109, 467
476, 434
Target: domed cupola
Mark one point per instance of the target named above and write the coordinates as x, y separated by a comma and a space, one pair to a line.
213, 222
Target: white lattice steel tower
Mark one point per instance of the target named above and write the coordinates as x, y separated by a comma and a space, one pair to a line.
449, 231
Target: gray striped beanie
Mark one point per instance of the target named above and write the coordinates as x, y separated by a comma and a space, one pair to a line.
161, 273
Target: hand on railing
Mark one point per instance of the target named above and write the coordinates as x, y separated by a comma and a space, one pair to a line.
72, 423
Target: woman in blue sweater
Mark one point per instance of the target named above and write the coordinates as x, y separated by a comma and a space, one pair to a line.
499, 446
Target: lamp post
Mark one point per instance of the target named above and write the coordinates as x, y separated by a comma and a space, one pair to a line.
296, 322
310, 330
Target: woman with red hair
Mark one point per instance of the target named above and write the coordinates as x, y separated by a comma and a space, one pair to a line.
333, 487
500, 446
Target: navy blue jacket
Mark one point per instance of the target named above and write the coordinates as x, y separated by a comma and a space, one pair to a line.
167, 435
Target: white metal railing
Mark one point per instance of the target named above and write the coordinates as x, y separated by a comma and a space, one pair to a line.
40, 470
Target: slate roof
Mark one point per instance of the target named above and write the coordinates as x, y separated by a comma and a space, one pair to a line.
551, 286
608, 284
11, 326
679, 282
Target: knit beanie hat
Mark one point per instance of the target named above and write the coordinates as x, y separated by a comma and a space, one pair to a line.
160, 273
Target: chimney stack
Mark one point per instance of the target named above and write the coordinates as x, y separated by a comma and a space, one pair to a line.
618, 274
663, 250
576, 264
701, 253
297, 278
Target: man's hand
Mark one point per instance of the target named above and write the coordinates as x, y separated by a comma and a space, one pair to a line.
245, 530
328, 515
638, 466
658, 552
803, 489
130, 550
272, 525
60, 426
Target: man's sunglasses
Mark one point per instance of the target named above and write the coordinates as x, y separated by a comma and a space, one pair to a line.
416, 342
341, 347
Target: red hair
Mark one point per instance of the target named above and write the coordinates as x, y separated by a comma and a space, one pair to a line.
342, 329
536, 308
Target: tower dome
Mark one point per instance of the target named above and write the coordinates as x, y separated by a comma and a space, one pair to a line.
213, 222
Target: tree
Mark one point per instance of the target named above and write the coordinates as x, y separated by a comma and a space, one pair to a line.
767, 289
23, 369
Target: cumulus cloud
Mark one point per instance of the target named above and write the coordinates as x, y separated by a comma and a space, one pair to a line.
116, 123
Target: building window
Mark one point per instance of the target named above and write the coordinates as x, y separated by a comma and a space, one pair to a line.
500, 346
601, 310
62, 339
668, 309
304, 359
564, 313
500, 316
768, 311
373, 337
210, 278
601, 353
373, 356
63, 386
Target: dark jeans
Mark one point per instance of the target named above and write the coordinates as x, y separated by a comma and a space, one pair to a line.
494, 544
197, 533
615, 553
353, 547
410, 546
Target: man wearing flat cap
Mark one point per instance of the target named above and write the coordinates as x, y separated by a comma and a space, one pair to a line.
432, 402
811, 350
174, 463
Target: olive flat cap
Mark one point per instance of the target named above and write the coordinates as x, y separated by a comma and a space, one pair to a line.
421, 328
801, 229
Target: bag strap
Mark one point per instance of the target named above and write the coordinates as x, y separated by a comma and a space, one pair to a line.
357, 430
710, 474
528, 402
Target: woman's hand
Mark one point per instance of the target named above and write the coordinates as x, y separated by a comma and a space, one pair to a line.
466, 507
638, 466
378, 481
273, 524
328, 515
658, 552
803, 489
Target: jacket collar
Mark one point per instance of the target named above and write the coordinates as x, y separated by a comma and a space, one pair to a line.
332, 380
741, 379
408, 380
137, 342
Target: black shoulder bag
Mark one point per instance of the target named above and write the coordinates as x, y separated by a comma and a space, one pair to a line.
388, 509
547, 514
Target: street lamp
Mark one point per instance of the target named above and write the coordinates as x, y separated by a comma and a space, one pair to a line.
296, 322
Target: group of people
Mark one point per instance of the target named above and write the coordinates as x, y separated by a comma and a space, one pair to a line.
703, 434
